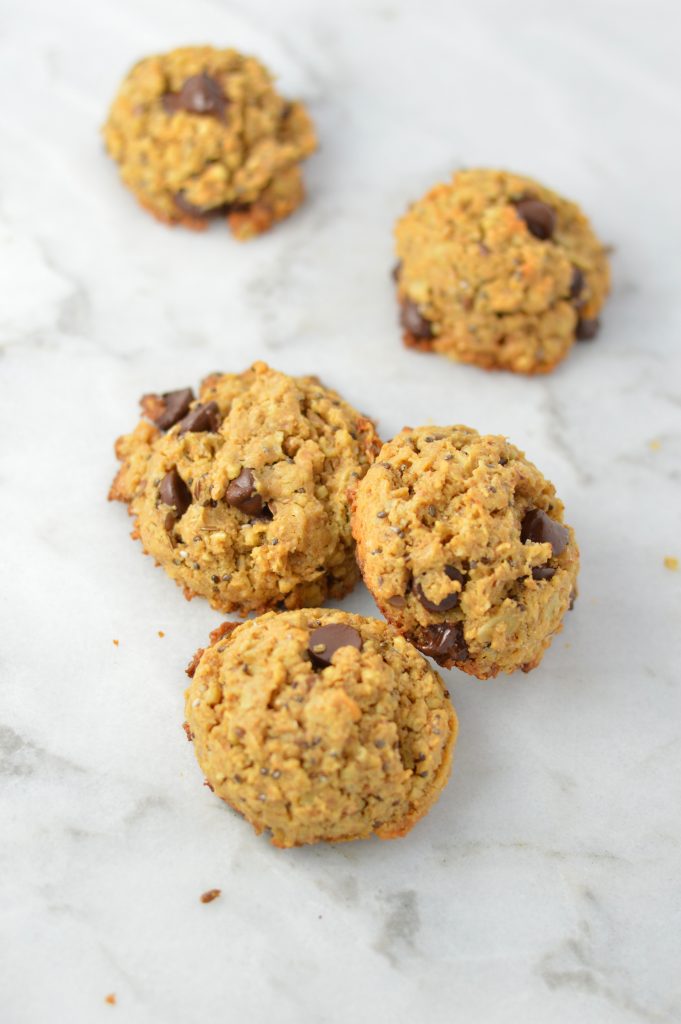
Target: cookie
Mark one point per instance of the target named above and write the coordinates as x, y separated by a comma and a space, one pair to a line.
199, 133
496, 270
320, 726
241, 494
461, 542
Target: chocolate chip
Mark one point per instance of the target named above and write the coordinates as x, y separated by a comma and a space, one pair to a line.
175, 406
189, 208
577, 283
539, 528
448, 602
206, 212
326, 640
396, 271
587, 329
174, 492
397, 601
444, 642
543, 572
539, 217
242, 494
413, 321
200, 94
201, 419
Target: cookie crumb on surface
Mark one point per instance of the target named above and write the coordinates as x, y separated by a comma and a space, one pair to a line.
116, 643
671, 563
210, 895
110, 999
161, 633
655, 444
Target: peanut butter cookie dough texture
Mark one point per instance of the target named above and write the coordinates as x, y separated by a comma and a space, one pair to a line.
497, 270
199, 132
462, 544
320, 726
241, 494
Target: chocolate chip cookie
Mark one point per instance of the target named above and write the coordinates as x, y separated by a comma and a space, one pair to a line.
462, 543
200, 133
496, 270
241, 494
320, 726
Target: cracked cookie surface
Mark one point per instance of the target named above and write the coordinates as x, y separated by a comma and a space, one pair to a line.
496, 270
241, 495
462, 544
201, 132
320, 726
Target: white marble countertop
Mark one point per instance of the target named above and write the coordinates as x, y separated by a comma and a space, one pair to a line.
545, 885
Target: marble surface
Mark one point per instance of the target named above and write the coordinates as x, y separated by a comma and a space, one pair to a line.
545, 885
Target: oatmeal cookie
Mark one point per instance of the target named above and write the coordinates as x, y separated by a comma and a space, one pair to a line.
320, 726
241, 494
496, 270
201, 132
461, 542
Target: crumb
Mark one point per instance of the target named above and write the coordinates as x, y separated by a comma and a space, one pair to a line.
671, 563
111, 999
187, 731
655, 444
212, 894
116, 642
161, 633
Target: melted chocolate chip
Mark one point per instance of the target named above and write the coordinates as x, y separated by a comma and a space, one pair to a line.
189, 208
412, 320
448, 602
174, 492
543, 572
207, 212
326, 640
577, 283
587, 329
397, 601
200, 94
444, 642
539, 528
243, 495
539, 217
175, 406
201, 419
